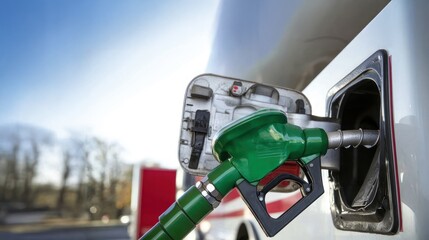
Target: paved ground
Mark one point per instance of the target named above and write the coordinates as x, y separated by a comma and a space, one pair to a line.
88, 231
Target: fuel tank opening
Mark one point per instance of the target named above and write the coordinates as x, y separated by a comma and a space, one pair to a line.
363, 191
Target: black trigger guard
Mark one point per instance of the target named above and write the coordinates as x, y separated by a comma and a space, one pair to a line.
272, 226
285, 176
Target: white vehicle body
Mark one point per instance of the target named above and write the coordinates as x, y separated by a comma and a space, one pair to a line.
400, 29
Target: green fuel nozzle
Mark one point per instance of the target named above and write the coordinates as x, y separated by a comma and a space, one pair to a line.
248, 150
261, 142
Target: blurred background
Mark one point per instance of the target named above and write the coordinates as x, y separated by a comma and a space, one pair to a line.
88, 89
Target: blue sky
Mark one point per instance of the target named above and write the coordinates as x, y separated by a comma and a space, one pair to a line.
117, 69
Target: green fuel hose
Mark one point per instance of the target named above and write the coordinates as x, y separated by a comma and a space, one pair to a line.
196, 203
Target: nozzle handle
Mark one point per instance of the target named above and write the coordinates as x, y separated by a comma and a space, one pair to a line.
255, 199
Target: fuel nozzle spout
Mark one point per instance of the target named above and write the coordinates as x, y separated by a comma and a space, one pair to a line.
354, 138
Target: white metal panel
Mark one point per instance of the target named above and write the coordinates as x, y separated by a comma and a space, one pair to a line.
285, 43
401, 29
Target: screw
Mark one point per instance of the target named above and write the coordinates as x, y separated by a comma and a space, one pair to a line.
311, 165
261, 198
307, 189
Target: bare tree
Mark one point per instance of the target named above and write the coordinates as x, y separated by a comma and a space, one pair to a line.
108, 167
10, 147
21, 148
114, 173
12, 174
64, 178
36, 138
83, 169
94, 162
79, 147
103, 151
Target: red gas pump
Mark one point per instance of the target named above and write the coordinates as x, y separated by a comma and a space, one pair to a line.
154, 190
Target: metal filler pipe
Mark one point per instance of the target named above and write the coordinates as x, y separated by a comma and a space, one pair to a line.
354, 138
